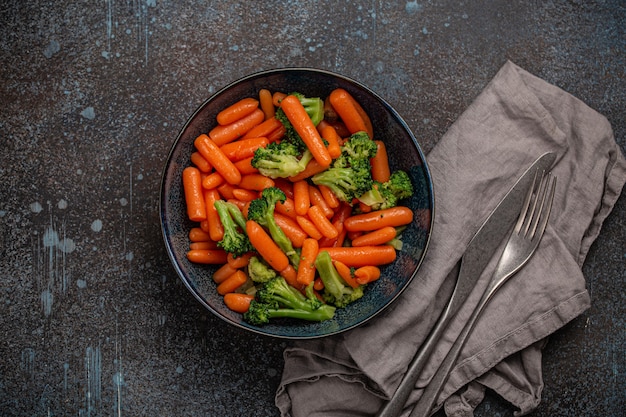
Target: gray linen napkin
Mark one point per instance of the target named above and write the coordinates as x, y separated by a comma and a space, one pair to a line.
514, 120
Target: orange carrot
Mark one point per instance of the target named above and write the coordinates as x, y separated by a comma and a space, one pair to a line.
237, 111
329, 197
243, 148
244, 195
306, 267
223, 272
285, 186
329, 112
207, 256
302, 123
317, 199
362, 255
380, 163
196, 234
290, 276
256, 182
263, 129
208, 244
345, 273
238, 302
366, 274
223, 134
226, 191
276, 134
309, 227
395, 216
239, 262
318, 284
192, 187
216, 230
277, 97
202, 164
291, 228
351, 112
329, 133
213, 180
364, 208
204, 225
376, 237
245, 166
326, 228
312, 168
287, 208
240, 204
233, 282
301, 199
212, 153
265, 99
266, 247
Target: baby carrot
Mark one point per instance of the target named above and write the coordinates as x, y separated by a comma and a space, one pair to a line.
192, 187
329, 133
301, 199
244, 195
223, 272
208, 244
366, 274
376, 237
265, 99
345, 273
226, 191
351, 112
201, 163
290, 276
362, 255
317, 199
237, 111
240, 204
233, 282
276, 134
263, 129
216, 230
329, 197
213, 180
291, 228
207, 256
285, 186
212, 153
238, 302
196, 234
326, 228
266, 247
309, 227
240, 261
306, 267
380, 163
243, 148
245, 166
277, 97
395, 216
223, 134
312, 168
302, 123
287, 208
256, 182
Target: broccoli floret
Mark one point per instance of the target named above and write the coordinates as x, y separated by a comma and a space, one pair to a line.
234, 240
281, 160
259, 271
350, 175
386, 195
261, 210
336, 291
314, 107
276, 298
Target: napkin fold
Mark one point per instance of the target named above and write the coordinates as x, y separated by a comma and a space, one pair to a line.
515, 119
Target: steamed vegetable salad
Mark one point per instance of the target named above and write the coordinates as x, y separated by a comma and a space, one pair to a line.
294, 198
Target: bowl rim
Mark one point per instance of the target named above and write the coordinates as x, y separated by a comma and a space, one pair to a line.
162, 198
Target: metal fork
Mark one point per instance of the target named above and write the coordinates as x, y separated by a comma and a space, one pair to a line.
521, 245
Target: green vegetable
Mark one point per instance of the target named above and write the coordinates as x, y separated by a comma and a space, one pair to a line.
350, 175
259, 271
314, 107
281, 160
235, 240
276, 298
336, 291
261, 210
388, 194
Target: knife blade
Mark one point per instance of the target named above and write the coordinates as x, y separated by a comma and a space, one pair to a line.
477, 255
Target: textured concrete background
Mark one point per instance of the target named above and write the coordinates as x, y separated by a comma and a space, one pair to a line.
94, 321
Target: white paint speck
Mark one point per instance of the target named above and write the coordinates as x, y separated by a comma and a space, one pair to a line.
88, 113
130, 256
62, 204
50, 238
96, 225
67, 245
81, 283
36, 207
140, 177
179, 369
412, 7
123, 201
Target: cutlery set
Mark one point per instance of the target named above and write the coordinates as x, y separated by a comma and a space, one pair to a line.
521, 217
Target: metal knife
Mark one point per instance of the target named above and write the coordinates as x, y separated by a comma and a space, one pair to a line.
476, 257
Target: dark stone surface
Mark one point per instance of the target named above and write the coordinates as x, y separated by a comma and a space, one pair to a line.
94, 321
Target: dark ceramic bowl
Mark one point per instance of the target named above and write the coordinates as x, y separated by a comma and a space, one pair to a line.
404, 153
